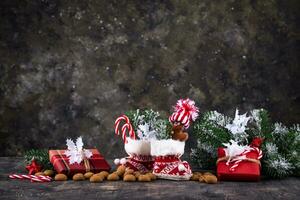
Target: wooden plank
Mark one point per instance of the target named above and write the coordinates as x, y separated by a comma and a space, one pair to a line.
161, 189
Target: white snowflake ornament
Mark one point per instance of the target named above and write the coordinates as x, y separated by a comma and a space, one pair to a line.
234, 149
238, 124
76, 152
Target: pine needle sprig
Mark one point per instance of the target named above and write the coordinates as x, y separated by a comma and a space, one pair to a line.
40, 155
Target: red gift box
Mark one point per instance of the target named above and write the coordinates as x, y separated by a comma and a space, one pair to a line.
246, 170
61, 164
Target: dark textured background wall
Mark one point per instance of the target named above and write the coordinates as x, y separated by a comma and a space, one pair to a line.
69, 68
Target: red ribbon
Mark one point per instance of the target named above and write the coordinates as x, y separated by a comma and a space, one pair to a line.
33, 167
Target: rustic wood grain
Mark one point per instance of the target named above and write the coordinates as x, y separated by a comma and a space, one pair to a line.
161, 189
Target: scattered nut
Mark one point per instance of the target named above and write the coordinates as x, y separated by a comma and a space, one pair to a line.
39, 174
129, 178
137, 174
195, 177
121, 170
144, 178
151, 175
201, 179
210, 179
104, 174
60, 177
49, 172
78, 177
208, 173
128, 171
88, 175
96, 178
113, 177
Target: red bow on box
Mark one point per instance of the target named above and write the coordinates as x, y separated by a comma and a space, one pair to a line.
256, 142
33, 167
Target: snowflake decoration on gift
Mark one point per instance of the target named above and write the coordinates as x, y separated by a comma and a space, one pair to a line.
238, 124
233, 149
76, 152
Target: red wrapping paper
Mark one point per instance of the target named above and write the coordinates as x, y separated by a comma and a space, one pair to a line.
245, 171
61, 164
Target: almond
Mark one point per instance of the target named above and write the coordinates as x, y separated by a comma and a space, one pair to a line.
96, 178
195, 177
104, 174
78, 177
144, 178
49, 172
151, 175
129, 178
88, 175
137, 174
128, 171
210, 179
121, 170
113, 177
60, 177
39, 174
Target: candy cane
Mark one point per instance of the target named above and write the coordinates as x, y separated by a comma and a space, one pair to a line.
25, 176
16, 176
237, 162
242, 157
126, 127
40, 179
33, 178
239, 159
117, 123
260, 155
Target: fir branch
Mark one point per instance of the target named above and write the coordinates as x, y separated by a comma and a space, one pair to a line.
265, 124
211, 133
280, 148
161, 127
40, 155
277, 167
204, 156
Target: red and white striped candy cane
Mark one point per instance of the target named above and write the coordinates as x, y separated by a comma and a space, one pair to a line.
33, 178
41, 179
21, 177
126, 127
260, 155
243, 156
237, 161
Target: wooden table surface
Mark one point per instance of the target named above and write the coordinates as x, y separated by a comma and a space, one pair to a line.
160, 189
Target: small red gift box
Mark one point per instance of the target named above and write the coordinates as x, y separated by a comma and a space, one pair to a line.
246, 170
61, 164
244, 167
